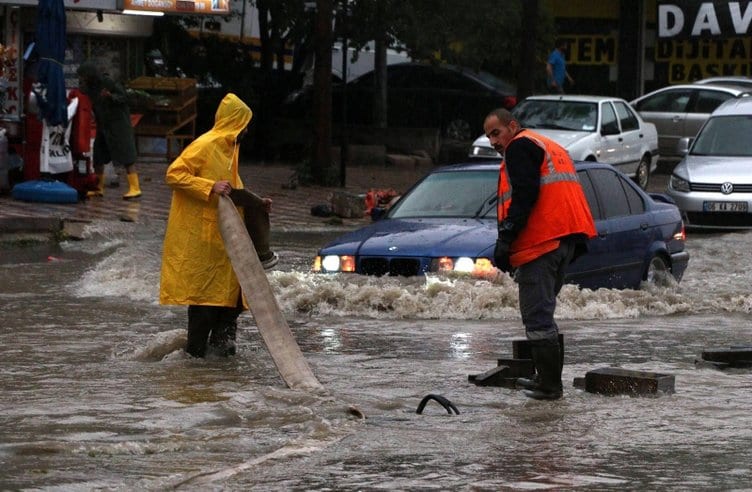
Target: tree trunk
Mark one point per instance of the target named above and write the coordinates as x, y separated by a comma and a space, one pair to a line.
380, 91
529, 66
321, 158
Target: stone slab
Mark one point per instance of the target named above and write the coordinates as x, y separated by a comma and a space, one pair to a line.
618, 381
519, 368
734, 357
348, 205
74, 229
498, 376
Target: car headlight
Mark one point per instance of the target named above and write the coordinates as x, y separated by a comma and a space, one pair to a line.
478, 151
334, 263
463, 264
679, 184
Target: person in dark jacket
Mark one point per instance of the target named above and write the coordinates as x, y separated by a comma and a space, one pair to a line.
115, 141
544, 222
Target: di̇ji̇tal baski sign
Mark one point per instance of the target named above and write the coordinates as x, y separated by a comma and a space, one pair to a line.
700, 39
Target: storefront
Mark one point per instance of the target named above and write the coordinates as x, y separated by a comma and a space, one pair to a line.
96, 30
626, 48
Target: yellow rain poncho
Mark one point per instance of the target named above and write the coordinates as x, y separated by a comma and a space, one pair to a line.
195, 266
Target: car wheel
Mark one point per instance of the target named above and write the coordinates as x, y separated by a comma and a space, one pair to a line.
642, 174
458, 129
658, 272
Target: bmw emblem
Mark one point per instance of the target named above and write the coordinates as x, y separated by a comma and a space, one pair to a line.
727, 188
392, 248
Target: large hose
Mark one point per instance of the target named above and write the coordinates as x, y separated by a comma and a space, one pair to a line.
272, 326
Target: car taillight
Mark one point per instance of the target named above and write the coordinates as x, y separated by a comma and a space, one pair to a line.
509, 102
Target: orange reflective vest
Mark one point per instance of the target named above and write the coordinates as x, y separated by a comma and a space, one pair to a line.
561, 208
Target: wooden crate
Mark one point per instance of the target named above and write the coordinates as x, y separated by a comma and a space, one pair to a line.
166, 92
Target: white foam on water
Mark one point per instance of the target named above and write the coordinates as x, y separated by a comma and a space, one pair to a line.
168, 344
714, 281
131, 272
458, 298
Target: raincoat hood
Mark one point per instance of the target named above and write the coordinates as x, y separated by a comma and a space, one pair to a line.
232, 116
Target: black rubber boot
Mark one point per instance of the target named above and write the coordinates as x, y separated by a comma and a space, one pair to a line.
223, 335
222, 339
548, 362
534, 382
199, 326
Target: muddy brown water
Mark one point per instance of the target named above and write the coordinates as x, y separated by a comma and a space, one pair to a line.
96, 393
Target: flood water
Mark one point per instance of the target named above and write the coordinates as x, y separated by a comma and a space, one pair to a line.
97, 394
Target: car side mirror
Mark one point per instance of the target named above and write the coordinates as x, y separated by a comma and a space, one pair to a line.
683, 145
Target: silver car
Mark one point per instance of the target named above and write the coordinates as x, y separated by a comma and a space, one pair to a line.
591, 128
679, 111
712, 185
732, 80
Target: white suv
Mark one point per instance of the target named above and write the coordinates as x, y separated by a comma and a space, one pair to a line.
591, 128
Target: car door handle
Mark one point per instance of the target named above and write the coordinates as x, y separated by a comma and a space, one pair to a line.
602, 234
676, 119
643, 226
621, 139
640, 135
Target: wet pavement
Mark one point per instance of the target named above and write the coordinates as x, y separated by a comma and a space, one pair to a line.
291, 205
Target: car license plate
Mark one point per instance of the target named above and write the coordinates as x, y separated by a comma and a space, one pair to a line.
724, 207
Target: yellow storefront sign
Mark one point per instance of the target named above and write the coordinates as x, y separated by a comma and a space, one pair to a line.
694, 59
591, 50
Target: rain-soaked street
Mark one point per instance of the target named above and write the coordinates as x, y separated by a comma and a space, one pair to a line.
97, 395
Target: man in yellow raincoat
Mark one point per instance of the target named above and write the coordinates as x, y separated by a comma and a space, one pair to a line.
196, 270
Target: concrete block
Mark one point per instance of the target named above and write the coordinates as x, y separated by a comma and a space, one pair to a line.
401, 160
618, 381
740, 356
348, 205
74, 229
498, 376
518, 368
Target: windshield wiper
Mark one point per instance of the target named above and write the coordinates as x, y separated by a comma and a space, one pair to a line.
488, 201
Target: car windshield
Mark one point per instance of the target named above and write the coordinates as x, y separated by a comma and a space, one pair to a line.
495, 82
560, 115
725, 136
465, 194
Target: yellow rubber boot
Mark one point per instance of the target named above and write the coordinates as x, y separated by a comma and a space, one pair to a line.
134, 190
100, 187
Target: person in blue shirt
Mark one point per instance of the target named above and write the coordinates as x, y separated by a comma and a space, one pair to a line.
556, 69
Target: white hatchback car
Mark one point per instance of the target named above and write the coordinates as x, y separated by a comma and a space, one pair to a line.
591, 128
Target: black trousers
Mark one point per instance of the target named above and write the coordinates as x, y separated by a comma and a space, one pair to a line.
539, 283
216, 325
256, 220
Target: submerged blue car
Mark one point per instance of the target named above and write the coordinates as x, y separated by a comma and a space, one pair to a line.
447, 223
